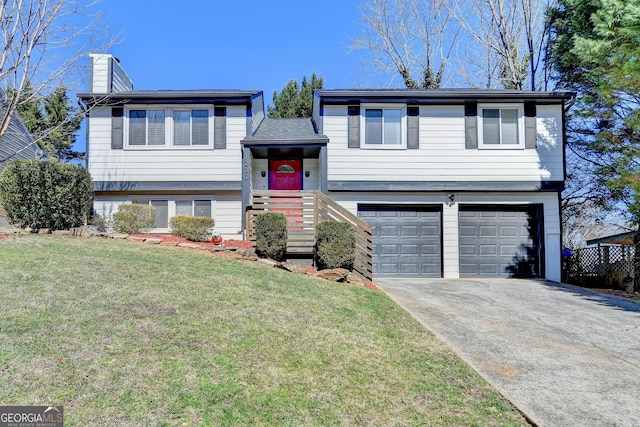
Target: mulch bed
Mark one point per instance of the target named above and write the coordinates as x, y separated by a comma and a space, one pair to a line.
227, 244
170, 238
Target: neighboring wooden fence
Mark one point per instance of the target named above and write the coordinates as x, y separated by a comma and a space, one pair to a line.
602, 266
305, 209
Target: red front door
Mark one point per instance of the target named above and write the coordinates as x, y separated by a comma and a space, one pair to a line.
285, 175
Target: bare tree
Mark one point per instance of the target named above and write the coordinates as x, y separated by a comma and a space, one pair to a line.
494, 43
511, 36
411, 38
43, 41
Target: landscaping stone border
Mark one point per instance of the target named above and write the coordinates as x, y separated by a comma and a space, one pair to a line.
339, 275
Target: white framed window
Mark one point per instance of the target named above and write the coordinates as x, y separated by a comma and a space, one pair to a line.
170, 206
162, 210
167, 127
147, 127
201, 208
501, 127
190, 127
384, 126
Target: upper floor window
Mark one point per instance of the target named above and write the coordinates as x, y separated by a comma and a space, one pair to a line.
190, 127
384, 127
180, 127
501, 127
146, 127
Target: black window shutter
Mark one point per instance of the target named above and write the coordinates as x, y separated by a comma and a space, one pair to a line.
354, 126
220, 127
530, 130
413, 127
471, 125
117, 128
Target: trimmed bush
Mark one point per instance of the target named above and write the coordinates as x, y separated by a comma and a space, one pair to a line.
271, 235
194, 228
335, 245
132, 218
101, 223
51, 195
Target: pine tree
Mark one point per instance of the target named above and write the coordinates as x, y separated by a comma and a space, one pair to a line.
53, 122
597, 54
295, 100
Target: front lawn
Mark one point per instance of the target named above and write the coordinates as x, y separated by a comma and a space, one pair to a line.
123, 333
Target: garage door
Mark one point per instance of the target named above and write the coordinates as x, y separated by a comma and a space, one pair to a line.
500, 241
406, 240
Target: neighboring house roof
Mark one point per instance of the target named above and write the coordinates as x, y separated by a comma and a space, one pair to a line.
17, 142
285, 131
437, 95
616, 239
173, 96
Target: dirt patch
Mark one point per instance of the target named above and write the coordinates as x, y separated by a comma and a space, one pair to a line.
623, 294
2, 238
506, 371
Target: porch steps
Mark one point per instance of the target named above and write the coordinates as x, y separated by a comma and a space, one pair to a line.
301, 242
304, 210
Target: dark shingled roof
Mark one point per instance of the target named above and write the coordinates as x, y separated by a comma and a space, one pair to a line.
438, 95
286, 131
446, 93
173, 96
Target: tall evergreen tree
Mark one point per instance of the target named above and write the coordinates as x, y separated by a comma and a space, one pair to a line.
53, 121
596, 52
295, 100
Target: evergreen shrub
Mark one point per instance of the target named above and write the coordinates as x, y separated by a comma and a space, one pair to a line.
335, 245
194, 228
41, 194
271, 235
132, 218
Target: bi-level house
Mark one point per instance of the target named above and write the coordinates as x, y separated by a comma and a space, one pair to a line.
454, 183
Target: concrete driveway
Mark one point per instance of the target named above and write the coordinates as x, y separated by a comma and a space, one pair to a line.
563, 355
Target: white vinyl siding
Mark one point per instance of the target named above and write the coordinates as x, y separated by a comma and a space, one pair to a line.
108, 75
161, 163
501, 127
442, 155
225, 208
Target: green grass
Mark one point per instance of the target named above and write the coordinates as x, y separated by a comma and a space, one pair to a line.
131, 334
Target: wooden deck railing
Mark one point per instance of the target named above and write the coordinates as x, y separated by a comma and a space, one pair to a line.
304, 210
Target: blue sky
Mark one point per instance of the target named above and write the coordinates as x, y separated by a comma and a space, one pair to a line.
248, 44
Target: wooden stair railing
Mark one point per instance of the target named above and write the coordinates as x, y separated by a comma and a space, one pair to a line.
304, 210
